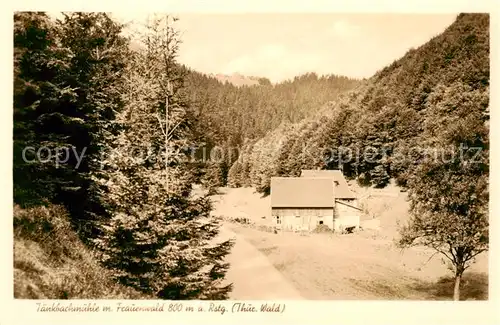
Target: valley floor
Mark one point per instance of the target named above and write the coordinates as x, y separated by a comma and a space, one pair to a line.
363, 265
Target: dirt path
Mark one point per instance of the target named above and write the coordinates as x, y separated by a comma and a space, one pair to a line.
252, 274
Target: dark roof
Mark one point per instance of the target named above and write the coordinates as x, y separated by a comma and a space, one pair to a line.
301, 192
342, 190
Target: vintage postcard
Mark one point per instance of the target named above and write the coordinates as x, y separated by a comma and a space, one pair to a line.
221, 164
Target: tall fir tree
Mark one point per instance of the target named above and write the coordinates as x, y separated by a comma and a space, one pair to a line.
67, 90
96, 64
160, 239
39, 64
213, 177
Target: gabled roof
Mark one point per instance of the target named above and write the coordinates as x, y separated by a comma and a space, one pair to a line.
341, 189
301, 192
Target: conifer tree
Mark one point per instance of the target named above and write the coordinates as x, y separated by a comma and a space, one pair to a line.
213, 177
235, 174
67, 82
160, 239
38, 65
98, 53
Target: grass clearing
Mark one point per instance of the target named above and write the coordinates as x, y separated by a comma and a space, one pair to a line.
363, 265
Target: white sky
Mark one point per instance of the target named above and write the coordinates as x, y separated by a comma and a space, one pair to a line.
281, 46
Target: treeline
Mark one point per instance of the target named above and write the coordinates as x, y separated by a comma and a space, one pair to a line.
85, 108
430, 102
231, 114
228, 116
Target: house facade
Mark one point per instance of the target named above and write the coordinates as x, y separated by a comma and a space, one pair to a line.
299, 203
315, 198
346, 209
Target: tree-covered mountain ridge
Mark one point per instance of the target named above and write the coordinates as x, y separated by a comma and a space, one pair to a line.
435, 96
257, 108
227, 116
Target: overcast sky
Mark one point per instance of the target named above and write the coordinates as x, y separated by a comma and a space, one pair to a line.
281, 46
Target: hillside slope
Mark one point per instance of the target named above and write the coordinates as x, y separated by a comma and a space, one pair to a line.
256, 109
226, 115
51, 262
381, 128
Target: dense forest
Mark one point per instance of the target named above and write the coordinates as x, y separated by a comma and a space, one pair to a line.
104, 132
84, 102
436, 95
229, 116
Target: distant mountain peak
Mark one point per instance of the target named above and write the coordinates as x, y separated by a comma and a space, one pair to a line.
237, 79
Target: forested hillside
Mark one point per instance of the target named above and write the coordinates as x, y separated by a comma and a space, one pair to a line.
434, 97
229, 113
227, 116
104, 134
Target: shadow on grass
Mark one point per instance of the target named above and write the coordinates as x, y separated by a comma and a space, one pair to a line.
474, 286
268, 250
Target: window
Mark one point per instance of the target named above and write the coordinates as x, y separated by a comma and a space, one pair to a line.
321, 222
278, 221
297, 216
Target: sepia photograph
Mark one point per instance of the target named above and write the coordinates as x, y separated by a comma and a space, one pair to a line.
250, 156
